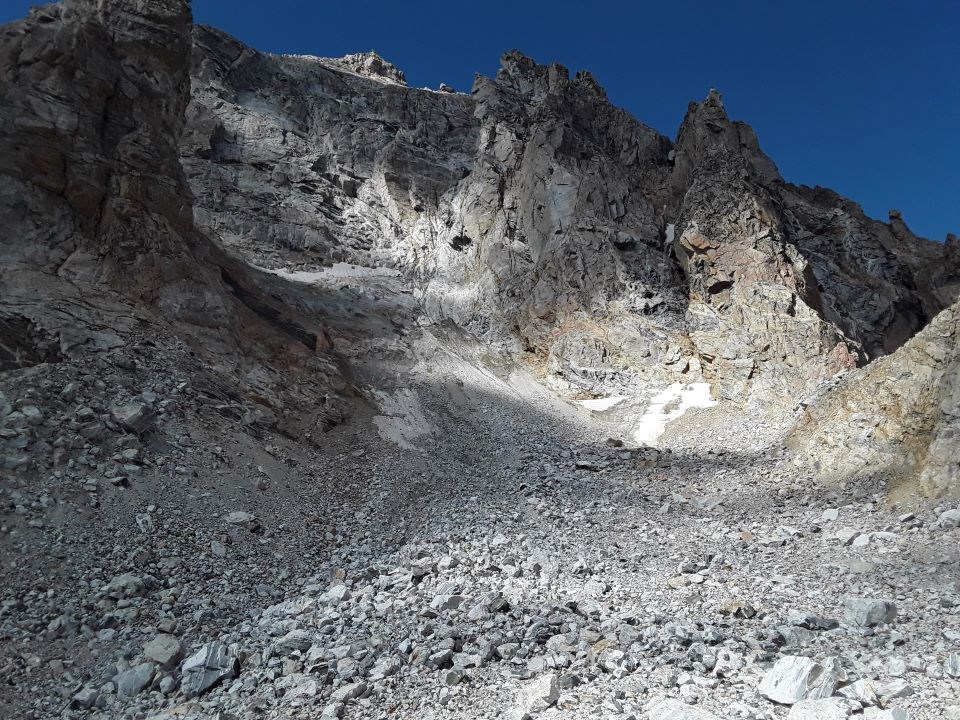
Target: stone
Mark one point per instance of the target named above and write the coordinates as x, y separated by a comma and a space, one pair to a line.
132, 681
32, 415
868, 612
536, 695
811, 621
444, 603
822, 709
210, 665
136, 418
165, 650
896, 667
332, 711
677, 710
795, 678
242, 518
451, 677
351, 691
336, 595
951, 665
85, 699
737, 608
168, 684
949, 519
293, 641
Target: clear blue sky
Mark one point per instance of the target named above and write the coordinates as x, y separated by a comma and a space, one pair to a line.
863, 97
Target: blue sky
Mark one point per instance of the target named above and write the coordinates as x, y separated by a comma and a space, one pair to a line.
863, 97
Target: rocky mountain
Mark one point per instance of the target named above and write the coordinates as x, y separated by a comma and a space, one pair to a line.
535, 212
326, 396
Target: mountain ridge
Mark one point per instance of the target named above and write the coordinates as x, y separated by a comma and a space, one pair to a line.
324, 396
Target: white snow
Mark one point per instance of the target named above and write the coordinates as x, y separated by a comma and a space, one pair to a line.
336, 271
667, 406
601, 404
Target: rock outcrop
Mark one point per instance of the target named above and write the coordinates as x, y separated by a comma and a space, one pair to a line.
187, 530
99, 233
536, 214
896, 420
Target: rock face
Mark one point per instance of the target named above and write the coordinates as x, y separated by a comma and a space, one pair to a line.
99, 232
537, 214
897, 419
471, 546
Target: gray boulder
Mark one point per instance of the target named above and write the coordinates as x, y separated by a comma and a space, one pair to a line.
207, 667
868, 612
131, 682
949, 519
796, 678
165, 650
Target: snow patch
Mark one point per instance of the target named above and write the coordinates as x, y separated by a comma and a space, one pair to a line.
601, 404
669, 404
337, 271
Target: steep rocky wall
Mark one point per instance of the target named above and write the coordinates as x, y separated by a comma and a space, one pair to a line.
334, 160
538, 215
97, 216
896, 420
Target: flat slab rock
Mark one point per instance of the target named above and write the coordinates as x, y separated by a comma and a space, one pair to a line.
676, 710
822, 709
796, 678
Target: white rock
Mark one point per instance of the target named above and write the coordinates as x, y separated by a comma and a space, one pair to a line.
796, 678
676, 710
336, 595
536, 695
822, 709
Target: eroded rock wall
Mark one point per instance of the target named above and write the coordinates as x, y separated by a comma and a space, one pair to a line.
896, 420
538, 215
98, 218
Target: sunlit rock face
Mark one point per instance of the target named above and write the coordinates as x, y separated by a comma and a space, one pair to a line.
535, 213
898, 419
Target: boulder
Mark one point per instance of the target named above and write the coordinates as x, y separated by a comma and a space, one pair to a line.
131, 682
796, 678
165, 650
868, 612
208, 666
677, 710
536, 696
